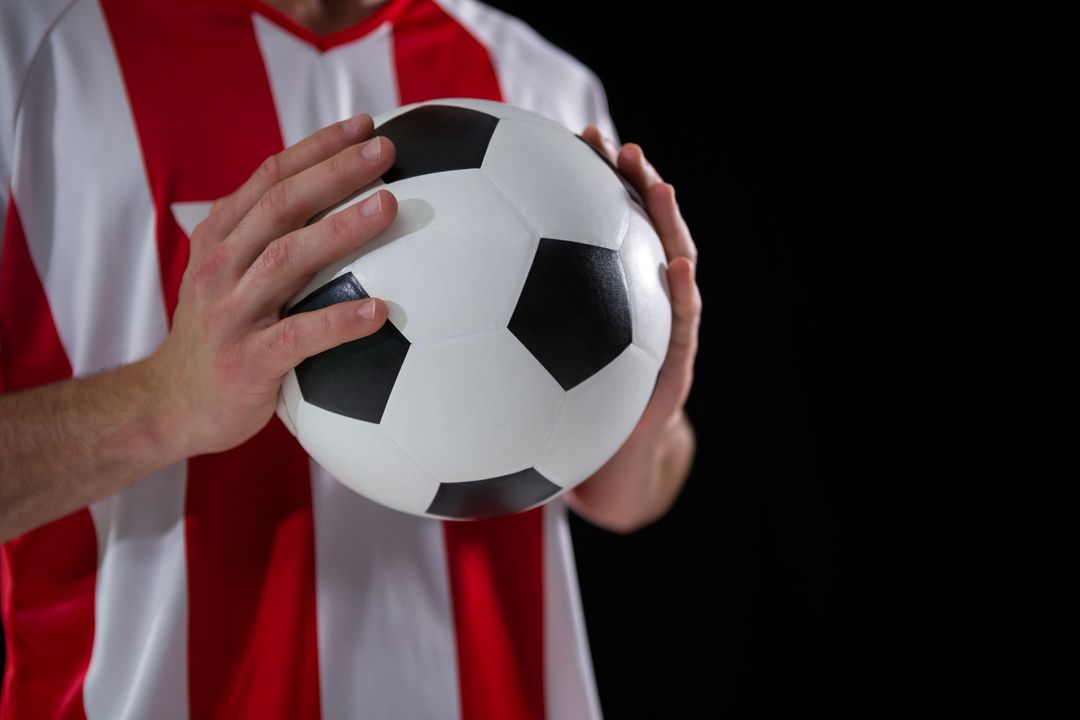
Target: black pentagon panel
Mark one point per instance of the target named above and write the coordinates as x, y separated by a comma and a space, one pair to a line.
574, 311
436, 138
355, 378
634, 194
495, 496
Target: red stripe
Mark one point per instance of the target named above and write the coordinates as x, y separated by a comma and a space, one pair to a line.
30, 350
497, 590
495, 566
48, 574
205, 117
436, 57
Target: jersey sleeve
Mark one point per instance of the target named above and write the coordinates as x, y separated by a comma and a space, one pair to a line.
535, 73
23, 26
596, 108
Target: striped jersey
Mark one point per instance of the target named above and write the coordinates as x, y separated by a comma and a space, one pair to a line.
248, 583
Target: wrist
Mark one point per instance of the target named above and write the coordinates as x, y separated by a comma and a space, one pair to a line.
162, 430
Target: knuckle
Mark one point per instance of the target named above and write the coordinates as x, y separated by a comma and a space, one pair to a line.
218, 205
338, 227
354, 126
287, 339
205, 232
695, 302
338, 163
275, 258
327, 326
205, 271
680, 344
657, 197
269, 170
691, 305
275, 201
633, 150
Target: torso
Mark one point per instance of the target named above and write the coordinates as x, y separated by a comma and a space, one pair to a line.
247, 583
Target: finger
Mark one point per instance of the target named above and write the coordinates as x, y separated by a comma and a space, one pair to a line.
669, 223
285, 344
290, 261
594, 137
660, 201
292, 202
632, 162
677, 372
313, 149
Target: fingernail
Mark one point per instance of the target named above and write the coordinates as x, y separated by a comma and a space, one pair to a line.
610, 146
352, 125
372, 149
366, 309
371, 205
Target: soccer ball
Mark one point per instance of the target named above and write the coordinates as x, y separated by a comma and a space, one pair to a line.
529, 315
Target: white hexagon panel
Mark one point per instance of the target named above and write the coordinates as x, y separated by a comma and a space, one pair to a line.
558, 185
645, 265
450, 277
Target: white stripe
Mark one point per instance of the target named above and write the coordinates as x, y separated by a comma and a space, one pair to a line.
23, 25
385, 624
533, 72
84, 200
537, 75
190, 214
138, 668
313, 89
86, 207
385, 621
569, 682
386, 632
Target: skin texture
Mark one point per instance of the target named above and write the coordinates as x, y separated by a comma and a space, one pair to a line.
213, 382
641, 481
326, 16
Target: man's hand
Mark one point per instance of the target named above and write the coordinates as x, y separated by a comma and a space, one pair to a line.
642, 480
220, 368
213, 382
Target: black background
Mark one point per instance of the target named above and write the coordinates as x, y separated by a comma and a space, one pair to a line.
885, 204
886, 210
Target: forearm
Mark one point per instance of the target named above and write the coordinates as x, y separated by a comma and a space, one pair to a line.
70, 443
636, 488
213, 383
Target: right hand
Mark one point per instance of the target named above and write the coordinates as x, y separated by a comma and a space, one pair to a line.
219, 369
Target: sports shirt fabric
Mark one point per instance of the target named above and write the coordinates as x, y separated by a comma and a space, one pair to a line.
247, 584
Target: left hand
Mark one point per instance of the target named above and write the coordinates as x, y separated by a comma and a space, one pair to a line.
664, 416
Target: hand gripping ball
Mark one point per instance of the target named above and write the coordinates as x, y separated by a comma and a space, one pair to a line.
529, 314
